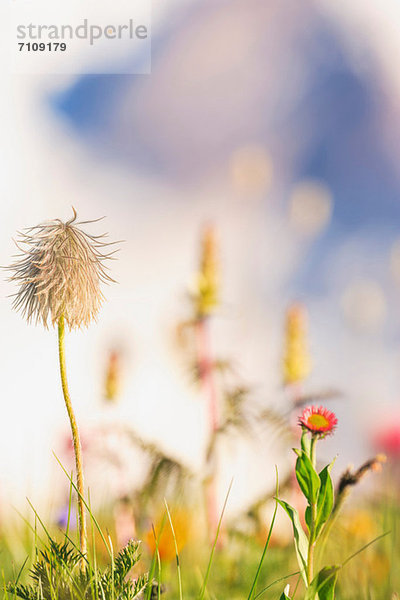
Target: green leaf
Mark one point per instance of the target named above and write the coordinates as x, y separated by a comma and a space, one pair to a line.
307, 516
284, 597
325, 498
307, 477
323, 585
300, 538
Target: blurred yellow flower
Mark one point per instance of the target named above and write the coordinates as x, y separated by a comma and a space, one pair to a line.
296, 362
361, 525
206, 296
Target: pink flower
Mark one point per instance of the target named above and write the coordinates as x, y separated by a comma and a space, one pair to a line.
318, 420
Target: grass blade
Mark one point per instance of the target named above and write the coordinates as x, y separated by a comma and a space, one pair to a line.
274, 583
69, 508
20, 571
155, 557
178, 566
86, 506
257, 575
159, 566
365, 547
204, 586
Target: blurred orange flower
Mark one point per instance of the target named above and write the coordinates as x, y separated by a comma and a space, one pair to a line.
182, 522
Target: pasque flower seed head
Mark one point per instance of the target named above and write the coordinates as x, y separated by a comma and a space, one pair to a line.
60, 270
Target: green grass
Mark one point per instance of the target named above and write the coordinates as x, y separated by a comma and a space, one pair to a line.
224, 571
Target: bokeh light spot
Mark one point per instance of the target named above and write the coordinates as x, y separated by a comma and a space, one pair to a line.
251, 169
364, 305
310, 207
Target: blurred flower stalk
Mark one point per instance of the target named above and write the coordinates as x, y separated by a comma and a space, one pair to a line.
205, 301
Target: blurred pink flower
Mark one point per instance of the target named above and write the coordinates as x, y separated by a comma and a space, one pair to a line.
388, 439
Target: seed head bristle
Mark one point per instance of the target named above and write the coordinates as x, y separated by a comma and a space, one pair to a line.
60, 270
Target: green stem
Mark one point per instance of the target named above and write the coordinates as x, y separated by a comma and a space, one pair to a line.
311, 546
310, 563
312, 450
76, 440
313, 506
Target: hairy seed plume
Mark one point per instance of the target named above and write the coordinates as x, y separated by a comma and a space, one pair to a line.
60, 270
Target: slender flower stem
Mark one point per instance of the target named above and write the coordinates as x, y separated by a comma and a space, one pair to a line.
311, 546
75, 438
206, 370
312, 450
313, 506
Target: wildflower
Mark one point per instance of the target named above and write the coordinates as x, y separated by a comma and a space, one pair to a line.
66, 518
318, 420
206, 296
59, 272
296, 362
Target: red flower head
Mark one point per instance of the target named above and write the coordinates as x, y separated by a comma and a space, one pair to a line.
318, 420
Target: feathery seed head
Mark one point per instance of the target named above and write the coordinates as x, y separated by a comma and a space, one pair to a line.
59, 271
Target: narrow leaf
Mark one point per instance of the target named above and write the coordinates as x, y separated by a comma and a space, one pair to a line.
300, 538
325, 498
